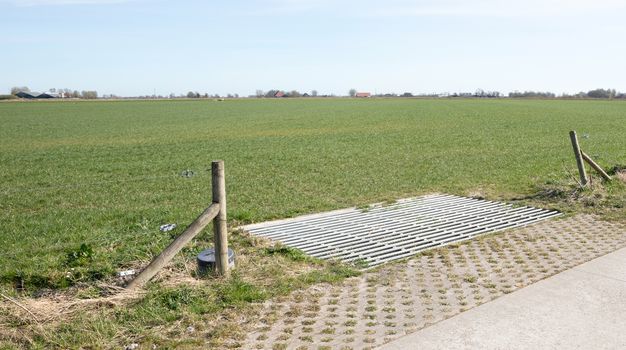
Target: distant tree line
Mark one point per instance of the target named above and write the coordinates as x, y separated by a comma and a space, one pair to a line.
17, 89
479, 93
532, 94
192, 94
596, 93
89, 95
171, 96
273, 93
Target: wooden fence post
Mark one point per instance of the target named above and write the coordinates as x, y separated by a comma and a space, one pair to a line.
220, 236
579, 158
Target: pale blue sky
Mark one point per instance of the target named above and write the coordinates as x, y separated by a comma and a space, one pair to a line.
135, 47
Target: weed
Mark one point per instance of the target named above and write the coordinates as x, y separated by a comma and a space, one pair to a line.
469, 279
80, 256
333, 274
328, 330
236, 292
306, 338
293, 254
360, 263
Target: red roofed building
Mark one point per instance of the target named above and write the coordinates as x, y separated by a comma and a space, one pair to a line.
363, 94
279, 94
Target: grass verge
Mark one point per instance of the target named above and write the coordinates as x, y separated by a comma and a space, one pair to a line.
176, 310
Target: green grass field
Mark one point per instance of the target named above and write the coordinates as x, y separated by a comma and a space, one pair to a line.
107, 174
85, 186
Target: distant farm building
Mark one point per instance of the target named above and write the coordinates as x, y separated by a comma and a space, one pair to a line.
48, 95
34, 95
363, 94
24, 94
279, 94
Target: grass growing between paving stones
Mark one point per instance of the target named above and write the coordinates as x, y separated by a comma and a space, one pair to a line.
87, 184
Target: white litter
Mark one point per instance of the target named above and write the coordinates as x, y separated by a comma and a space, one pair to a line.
167, 227
126, 273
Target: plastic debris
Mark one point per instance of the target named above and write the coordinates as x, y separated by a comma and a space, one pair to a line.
126, 273
190, 329
167, 227
132, 346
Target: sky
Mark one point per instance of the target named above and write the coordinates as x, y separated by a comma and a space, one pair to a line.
142, 47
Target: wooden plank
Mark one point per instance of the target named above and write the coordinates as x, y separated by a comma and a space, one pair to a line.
595, 166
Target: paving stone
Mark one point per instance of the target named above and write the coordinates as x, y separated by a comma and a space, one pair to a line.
403, 297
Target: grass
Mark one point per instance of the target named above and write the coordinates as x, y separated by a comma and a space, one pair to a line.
107, 174
292, 253
86, 184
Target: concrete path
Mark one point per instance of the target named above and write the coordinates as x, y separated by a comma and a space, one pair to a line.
580, 308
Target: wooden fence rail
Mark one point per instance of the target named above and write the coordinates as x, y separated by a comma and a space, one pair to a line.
595, 166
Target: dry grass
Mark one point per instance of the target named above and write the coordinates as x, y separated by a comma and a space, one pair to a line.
60, 306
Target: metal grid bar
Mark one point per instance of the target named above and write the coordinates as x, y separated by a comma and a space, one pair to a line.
384, 233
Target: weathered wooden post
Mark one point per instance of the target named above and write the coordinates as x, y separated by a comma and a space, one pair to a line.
220, 235
579, 158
